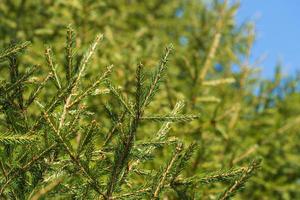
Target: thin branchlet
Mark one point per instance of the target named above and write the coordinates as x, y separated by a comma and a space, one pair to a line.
156, 78
70, 43
240, 181
161, 182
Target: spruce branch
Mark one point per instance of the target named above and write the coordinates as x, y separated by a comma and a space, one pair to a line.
161, 134
46, 189
37, 89
13, 173
76, 160
13, 50
162, 177
156, 77
9, 138
114, 128
125, 147
220, 176
86, 58
215, 43
29, 72
92, 87
183, 161
121, 98
218, 82
70, 43
177, 118
49, 60
240, 181
139, 89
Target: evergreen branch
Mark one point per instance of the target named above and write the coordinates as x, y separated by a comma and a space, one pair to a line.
125, 147
171, 140
161, 134
55, 102
46, 189
50, 63
156, 77
136, 193
38, 88
86, 59
13, 50
215, 43
12, 174
166, 118
183, 160
76, 160
91, 88
121, 157
240, 181
209, 99
139, 89
218, 82
221, 176
8, 138
120, 97
86, 138
70, 43
22, 79
166, 126
162, 177
114, 128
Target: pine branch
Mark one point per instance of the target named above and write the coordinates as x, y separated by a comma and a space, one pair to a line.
76, 160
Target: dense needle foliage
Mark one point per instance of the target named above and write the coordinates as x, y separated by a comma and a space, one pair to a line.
134, 99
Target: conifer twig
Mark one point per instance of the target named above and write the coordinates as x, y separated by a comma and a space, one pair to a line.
46, 189
13, 50
214, 44
156, 77
50, 63
239, 182
166, 171
70, 43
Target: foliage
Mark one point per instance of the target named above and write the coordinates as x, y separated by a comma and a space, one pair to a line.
97, 117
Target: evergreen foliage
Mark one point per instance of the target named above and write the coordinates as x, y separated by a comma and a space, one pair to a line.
107, 116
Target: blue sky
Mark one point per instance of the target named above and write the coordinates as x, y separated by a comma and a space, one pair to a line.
278, 33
